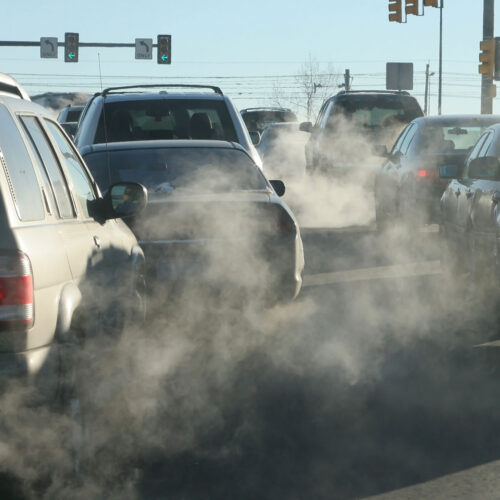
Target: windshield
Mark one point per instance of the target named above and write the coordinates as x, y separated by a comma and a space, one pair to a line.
168, 169
136, 120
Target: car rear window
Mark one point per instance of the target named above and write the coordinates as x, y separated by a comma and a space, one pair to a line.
375, 111
165, 170
259, 120
137, 120
439, 138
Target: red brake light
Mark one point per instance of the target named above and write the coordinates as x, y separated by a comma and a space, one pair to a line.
430, 175
16, 291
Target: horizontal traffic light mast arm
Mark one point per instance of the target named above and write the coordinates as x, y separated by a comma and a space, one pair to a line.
61, 44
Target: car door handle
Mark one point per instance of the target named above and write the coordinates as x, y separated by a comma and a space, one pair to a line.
496, 197
97, 241
468, 193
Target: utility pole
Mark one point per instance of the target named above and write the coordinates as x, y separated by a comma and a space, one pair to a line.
487, 80
426, 88
440, 90
347, 80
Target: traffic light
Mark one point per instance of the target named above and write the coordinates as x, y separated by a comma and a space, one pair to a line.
487, 57
431, 3
395, 11
71, 47
411, 7
164, 49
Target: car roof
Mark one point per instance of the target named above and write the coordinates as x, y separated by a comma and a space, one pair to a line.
10, 87
372, 92
160, 91
458, 119
170, 143
270, 108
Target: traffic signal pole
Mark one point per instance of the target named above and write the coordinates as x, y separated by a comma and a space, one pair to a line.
487, 80
440, 85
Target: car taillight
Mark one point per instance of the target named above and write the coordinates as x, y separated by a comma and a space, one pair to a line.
429, 175
16, 291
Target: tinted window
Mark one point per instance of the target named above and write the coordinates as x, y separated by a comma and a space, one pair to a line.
474, 153
376, 110
259, 119
19, 169
442, 139
401, 138
51, 166
82, 184
73, 115
165, 119
408, 138
169, 169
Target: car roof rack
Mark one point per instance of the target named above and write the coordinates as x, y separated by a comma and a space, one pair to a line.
266, 108
117, 90
403, 92
9, 85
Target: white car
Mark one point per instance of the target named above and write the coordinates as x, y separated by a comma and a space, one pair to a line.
153, 112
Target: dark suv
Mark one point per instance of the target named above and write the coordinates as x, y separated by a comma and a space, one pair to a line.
350, 123
68, 264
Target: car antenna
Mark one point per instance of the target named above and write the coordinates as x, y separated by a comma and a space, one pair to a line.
108, 166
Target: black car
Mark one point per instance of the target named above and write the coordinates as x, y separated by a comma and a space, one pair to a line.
470, 214
213, 218
429, 151
349, 124
257, 119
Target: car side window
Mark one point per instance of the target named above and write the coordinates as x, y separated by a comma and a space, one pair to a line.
399, 141
477, 148
21, 176
326, 113
82, 183
48, 161
405, 144
486, 145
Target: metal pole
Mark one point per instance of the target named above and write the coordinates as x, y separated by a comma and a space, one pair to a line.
487, 80
440, 91
426, 88
347, 80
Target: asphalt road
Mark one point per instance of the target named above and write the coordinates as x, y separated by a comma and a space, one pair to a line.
371, 383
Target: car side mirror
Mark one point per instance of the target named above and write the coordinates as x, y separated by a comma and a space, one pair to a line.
125, 199
278, 186
306, 127
485, 167
255, 136
448, 171
381, 150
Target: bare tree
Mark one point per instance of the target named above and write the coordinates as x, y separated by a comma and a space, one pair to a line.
312, 85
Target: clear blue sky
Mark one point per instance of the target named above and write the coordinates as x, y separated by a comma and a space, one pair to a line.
248, 47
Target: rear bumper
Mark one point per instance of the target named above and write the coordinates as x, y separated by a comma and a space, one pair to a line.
276, 267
